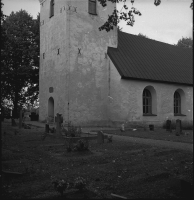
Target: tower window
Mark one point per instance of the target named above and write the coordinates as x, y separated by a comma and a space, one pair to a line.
92, 7
51, 89
52, 3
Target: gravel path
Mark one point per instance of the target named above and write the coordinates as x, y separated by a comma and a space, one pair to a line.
160, 143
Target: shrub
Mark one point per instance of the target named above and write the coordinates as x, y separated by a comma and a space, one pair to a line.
71, 131
60, 186
80, 183
81, 145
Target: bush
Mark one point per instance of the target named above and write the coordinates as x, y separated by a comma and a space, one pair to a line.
81, 145
80, 183
60, 186
71, 131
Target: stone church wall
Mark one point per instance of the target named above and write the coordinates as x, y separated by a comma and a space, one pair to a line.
126, 106
78, 80
74, 63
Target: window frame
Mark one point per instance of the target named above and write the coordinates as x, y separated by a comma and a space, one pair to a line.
147, 102
177, 103
90, 2
52, 5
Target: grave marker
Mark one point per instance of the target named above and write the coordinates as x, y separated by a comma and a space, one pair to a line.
168, 125
13, 123
46, 128
100, 137
59, 121
122, 127
27, 116
178, 127
151, 126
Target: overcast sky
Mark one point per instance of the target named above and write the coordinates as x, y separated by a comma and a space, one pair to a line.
167, 23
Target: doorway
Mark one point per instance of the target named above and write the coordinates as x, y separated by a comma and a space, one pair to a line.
51, 109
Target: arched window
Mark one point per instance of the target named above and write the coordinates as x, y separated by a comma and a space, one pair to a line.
177, 103
92, 7
147, 102
52, 3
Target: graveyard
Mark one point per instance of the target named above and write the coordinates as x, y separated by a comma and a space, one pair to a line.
33, 165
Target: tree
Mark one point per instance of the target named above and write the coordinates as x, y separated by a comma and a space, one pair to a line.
185, 42
20, 59
125, 14
142, 35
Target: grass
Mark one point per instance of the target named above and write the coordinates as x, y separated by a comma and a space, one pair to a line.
127, 169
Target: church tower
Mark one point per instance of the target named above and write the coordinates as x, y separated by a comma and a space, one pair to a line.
74, 69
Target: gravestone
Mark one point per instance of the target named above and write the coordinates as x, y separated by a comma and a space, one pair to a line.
122, 127
178, 127
46, 128
13, 123
168, 125
100, 137
27, 116
151, 126
59, 121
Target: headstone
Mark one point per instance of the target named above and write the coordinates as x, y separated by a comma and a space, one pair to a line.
100, 137
151, 126
13, 123
46, 128
178, 127
168, 125
122, 127
27, 116
59, 121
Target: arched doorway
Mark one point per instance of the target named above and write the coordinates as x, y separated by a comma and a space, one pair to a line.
51, 109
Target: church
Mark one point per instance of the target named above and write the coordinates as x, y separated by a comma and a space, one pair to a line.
99, 78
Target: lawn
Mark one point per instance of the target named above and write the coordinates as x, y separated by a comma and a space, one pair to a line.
123, 168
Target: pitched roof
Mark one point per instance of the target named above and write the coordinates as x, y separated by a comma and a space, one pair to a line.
145, 59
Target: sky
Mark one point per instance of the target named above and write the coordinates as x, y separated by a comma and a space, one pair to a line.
168, 22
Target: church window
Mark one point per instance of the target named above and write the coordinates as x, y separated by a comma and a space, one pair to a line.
177, 103
92, 7
52, 3
147, 102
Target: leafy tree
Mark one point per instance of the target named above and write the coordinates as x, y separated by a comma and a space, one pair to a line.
185, 42
142, 35
126, 14
20, 59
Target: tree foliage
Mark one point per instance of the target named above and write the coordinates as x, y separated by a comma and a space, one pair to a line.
142, 35
20, 59
126, 14
185, 42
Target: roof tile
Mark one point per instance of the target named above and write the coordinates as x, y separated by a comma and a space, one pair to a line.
146, 59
